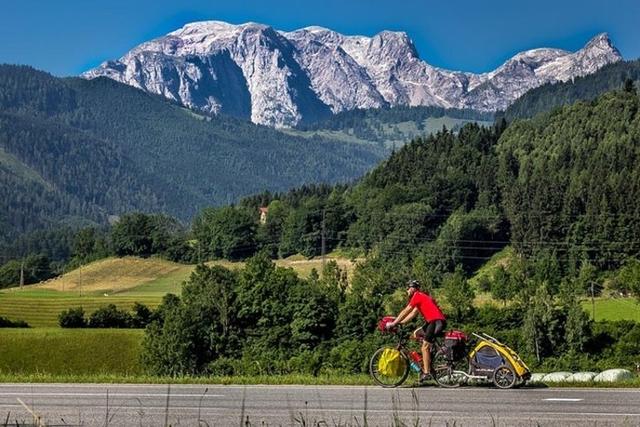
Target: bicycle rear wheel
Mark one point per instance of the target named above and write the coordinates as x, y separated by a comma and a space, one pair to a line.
388, 379
446, 372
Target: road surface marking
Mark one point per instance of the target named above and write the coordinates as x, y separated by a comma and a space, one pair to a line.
562, 399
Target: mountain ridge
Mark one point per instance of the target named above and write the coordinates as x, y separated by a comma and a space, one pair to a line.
281, 79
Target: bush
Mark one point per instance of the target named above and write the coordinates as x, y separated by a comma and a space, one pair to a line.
224, 367
307, 362
352, 356
6, 323
72, 318
142, 316
110, 317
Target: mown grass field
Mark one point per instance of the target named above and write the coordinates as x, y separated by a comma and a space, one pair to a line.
60, 352
613, 309
395, 134
119, 281
40, 308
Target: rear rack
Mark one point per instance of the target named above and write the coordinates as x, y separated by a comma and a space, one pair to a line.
486, 337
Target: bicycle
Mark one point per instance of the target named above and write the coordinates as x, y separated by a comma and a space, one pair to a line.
443, 371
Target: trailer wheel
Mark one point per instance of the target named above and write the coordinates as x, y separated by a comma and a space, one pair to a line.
504, 377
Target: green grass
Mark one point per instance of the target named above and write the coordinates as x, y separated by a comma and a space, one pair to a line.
40, 308
56, 352
150, 379
613, 309
488, 269
170, 283
391, 133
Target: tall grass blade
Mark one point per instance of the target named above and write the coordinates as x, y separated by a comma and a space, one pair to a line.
166, 407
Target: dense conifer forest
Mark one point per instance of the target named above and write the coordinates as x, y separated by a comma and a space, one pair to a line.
74, 151
587, 88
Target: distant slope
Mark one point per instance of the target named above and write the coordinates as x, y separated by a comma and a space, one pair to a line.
391, 127
147, 276
116, 275
550, 96
72, 148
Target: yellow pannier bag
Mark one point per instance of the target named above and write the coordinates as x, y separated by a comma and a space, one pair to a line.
391, 363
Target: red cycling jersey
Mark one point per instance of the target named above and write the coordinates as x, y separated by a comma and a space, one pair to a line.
427, 306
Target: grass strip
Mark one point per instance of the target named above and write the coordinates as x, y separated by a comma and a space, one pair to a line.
323, 380
227, 380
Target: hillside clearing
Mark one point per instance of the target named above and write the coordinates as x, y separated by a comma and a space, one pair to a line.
112, 275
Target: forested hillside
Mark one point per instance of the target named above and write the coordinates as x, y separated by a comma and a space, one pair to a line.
569, 180
73, 150
559, 186
550, 96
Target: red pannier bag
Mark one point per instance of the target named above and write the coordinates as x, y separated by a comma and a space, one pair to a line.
455, 343
382, 325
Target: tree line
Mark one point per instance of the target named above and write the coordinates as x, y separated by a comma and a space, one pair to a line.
263, 319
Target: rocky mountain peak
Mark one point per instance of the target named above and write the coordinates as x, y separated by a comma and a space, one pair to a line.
601, 46
280, 78
601, 40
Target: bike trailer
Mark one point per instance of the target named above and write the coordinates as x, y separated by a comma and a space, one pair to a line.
497, 362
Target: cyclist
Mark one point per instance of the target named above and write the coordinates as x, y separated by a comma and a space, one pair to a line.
436, 322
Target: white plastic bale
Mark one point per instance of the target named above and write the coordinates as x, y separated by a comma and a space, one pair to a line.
537, 377
614, 375
582, 377
556, 377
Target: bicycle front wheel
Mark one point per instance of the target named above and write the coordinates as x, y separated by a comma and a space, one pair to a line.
385, 376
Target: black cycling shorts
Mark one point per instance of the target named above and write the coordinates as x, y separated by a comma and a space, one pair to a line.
434, 329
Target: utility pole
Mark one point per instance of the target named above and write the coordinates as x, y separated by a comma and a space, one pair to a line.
593, 304
324, 244
22, 274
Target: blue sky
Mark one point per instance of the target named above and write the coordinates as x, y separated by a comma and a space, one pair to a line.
66, 37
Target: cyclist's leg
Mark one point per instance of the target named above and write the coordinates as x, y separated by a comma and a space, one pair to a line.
431, 331
428, 330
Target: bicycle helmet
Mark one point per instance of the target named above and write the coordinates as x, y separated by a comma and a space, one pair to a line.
413, 284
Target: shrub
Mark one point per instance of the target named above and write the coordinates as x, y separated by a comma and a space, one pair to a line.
72, 318
224, 367
110, 317
6, 323
142, 316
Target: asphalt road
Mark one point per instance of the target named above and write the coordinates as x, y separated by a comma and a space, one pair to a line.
190, 405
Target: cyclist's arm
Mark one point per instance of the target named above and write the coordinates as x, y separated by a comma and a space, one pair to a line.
409, 317
403, 314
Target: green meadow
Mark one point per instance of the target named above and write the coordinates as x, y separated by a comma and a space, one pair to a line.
56, 351
613, 309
